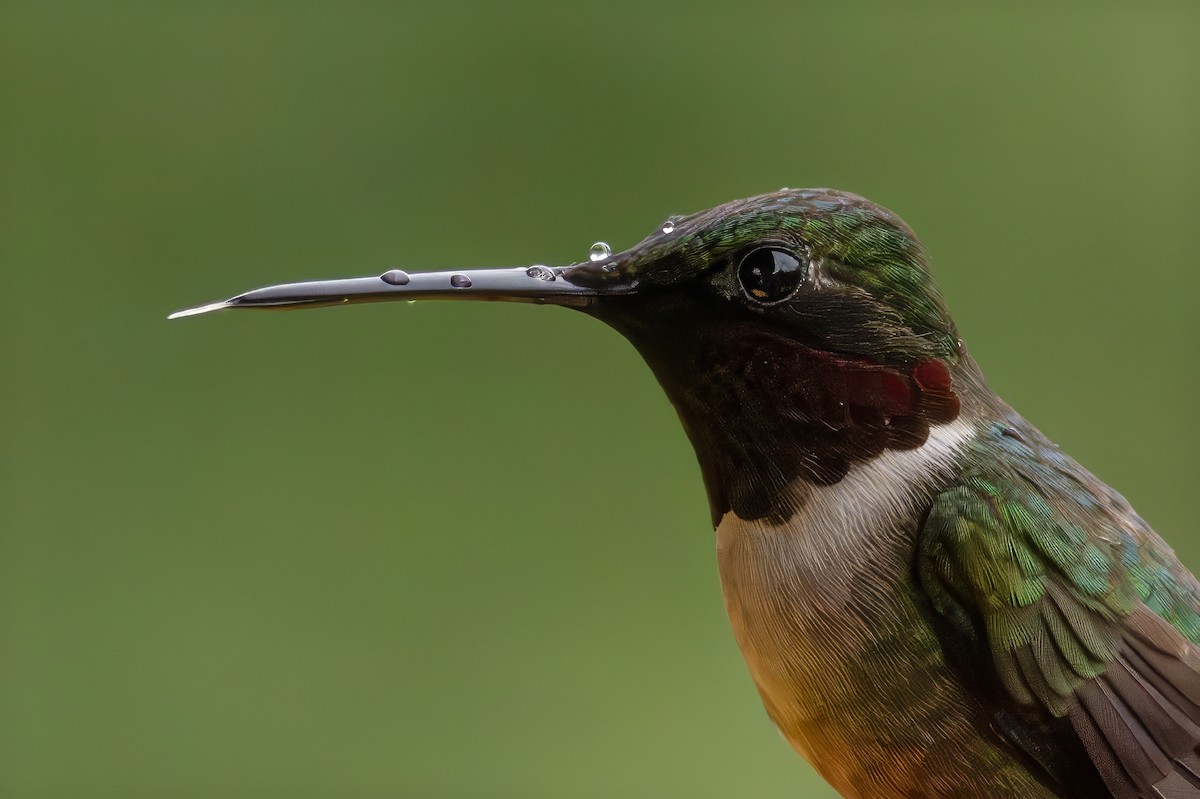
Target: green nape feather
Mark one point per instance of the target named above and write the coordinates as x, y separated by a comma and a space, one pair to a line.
1083, 613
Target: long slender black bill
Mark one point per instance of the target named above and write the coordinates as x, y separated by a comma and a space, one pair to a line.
536, 284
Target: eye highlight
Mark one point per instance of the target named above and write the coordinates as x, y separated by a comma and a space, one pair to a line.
771, 274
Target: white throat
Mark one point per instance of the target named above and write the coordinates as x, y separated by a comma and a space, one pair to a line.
835, 522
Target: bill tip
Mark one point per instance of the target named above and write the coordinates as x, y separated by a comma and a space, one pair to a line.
212, 306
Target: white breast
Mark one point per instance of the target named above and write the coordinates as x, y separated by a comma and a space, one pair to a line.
807, 596
829, 622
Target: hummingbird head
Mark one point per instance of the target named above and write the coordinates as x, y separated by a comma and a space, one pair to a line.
797, 333
831, 266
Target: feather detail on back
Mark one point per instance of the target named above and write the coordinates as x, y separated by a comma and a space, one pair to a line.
1081, 610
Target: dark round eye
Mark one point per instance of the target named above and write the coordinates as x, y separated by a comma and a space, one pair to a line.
770, 274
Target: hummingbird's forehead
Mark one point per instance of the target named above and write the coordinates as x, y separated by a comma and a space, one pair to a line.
830, 223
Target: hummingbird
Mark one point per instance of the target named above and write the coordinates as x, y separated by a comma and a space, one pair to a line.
932, 599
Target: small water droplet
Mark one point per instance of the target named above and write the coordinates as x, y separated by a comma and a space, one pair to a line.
541, 272
599, 251
395, 277
460, 281
608, 268
669, 226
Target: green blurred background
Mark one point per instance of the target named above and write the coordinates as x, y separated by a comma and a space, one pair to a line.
360, 552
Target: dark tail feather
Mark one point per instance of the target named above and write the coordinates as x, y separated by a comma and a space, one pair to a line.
1140, 720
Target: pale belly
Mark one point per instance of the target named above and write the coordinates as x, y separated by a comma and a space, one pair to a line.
849, 670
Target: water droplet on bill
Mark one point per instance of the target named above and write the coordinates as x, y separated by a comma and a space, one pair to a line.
599, 251
395, 277
541, 272
460, 281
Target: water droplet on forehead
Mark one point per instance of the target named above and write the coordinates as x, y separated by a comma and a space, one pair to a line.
541, 272
668, 227
599, 251
395, 277
460, 281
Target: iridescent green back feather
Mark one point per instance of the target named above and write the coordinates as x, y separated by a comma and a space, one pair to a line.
1083, 612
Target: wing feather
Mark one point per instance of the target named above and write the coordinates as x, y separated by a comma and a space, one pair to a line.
1082, 613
